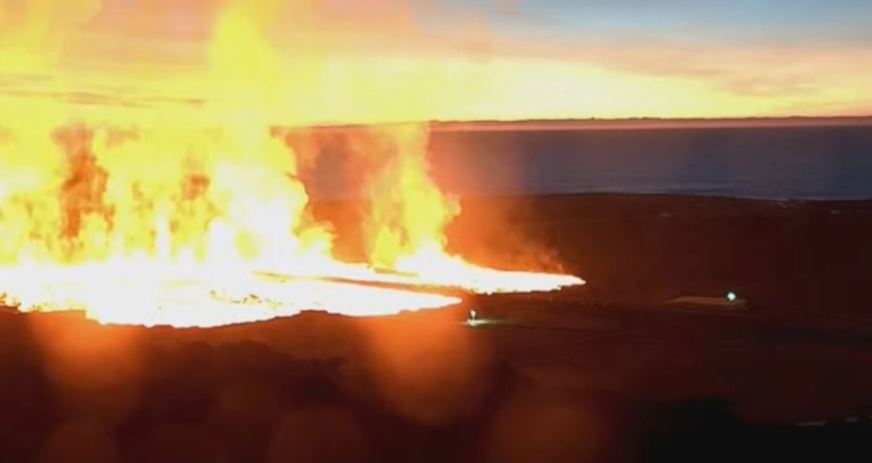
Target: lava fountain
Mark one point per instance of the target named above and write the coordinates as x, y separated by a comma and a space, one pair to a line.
201, 234
158, 216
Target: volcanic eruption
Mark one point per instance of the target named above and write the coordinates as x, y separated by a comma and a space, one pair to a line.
196, 214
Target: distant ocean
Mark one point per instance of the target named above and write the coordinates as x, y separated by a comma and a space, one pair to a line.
755, 162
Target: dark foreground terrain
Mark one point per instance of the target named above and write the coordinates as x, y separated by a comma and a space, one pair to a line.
605, 372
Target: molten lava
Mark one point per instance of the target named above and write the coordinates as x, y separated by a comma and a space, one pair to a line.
162, 216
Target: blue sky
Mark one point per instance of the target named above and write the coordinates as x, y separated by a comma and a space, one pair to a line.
837, 22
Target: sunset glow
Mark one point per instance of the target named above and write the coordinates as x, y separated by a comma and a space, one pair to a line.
377, 61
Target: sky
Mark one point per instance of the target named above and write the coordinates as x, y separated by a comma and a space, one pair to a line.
347, 61
760, 22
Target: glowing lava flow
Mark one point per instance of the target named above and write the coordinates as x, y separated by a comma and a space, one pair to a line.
150, 294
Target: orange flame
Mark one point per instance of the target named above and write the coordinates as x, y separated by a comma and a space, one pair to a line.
175, 218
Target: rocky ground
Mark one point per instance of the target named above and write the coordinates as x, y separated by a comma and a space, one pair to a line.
605, 372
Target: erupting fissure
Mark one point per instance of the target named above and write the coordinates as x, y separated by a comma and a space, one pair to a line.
164, 217
182, 227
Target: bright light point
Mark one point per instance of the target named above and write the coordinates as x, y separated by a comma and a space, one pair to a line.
731, 296
472, 320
